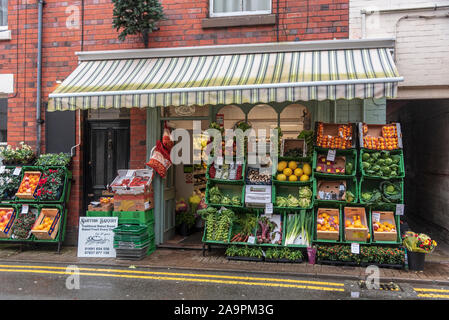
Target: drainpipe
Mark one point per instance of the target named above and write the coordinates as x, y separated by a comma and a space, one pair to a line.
39, 77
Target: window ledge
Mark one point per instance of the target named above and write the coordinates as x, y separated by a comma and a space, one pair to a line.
237, 21
5, 34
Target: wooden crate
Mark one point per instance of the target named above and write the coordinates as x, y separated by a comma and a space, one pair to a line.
28, 195
385, 216
53, 231
6, 231
328, 235
290, 144
356, 234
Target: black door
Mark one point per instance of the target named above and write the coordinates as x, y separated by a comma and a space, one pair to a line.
108, 152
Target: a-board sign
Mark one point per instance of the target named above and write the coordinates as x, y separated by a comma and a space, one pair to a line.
96, 237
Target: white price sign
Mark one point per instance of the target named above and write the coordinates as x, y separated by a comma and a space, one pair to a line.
252, 239
220, 161
17, 171
331, 155
355, 248
269, 208
25, 209
129, 173
2, 169
376, 216
400, 209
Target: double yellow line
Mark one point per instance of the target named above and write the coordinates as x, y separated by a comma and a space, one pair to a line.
176, 276
432, 294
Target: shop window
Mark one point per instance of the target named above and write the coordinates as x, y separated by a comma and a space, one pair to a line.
294, 118
3, 120
263, 116
219, 8
3, 13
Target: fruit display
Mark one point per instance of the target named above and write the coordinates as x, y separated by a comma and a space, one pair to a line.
28, 185
356, 225
327, 222
381, 164
269, 230
355, 222
385, 137
303, 199
216, 196
340, 166
340, 139
106, 200
218, 223
44, 225
139, 181
231, 171
384, 227
292, 171
5, 216
9, 184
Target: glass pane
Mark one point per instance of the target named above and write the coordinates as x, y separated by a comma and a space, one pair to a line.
3, 12
294, 119
221, 6
3, 119
256, 5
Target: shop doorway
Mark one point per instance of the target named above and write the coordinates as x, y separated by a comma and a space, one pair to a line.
108, 151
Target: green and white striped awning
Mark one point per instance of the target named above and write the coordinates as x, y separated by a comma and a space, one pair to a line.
229, 79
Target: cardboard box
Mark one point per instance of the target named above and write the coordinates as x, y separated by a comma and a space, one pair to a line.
356, 234
124, 182
102, 207
53, 213
6, 231
331, 190
378, 131
384, 216
134, 202
329, 134
328, 235
290, 144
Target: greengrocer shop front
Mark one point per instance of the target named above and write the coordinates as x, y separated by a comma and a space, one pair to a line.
291, 86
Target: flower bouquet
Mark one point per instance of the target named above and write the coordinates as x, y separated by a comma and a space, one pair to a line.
417, 246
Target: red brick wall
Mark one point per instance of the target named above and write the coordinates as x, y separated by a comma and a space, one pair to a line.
298, 20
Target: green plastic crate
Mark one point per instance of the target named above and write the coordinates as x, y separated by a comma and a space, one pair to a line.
229, 190
214, 241
301, 161
235, 229
134, 217
368, 184
66, 181
98, 213
269, 244
351, 185
350, 154
315, 217
132, 242
12, 197
309, 227
130, 230
401, 173
227, 181
284, 190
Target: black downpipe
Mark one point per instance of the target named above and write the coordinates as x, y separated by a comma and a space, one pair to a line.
39, 121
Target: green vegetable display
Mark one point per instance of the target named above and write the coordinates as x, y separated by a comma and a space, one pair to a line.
9, 184
284, 253
245, 251
299, 229
304, 199
216, 197
381, 164
218, 223
387, 192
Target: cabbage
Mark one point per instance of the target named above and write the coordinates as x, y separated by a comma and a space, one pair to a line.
281, 201
305, 192
304, 202
292, 201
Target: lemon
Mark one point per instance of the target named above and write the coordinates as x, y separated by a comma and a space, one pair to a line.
298, 172
304, 177
292, 165
307, 169
288, 172
293, 178
282, 165
281, 177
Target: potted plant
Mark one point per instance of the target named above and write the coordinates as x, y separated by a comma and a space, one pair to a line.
19, 156
184, 218
417, 245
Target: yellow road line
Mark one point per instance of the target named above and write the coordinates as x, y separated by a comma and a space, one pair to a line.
181, 274
429, 290
431, 295
177, 279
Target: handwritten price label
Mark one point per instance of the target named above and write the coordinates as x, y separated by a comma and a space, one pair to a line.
269, 208
17, 171
355, 248
400, 209
2, 169
331, 155
25, 209
252, 239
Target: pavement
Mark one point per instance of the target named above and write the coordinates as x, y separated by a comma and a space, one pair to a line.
436, 269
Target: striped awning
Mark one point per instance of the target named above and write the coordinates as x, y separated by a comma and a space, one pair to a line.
229, 79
